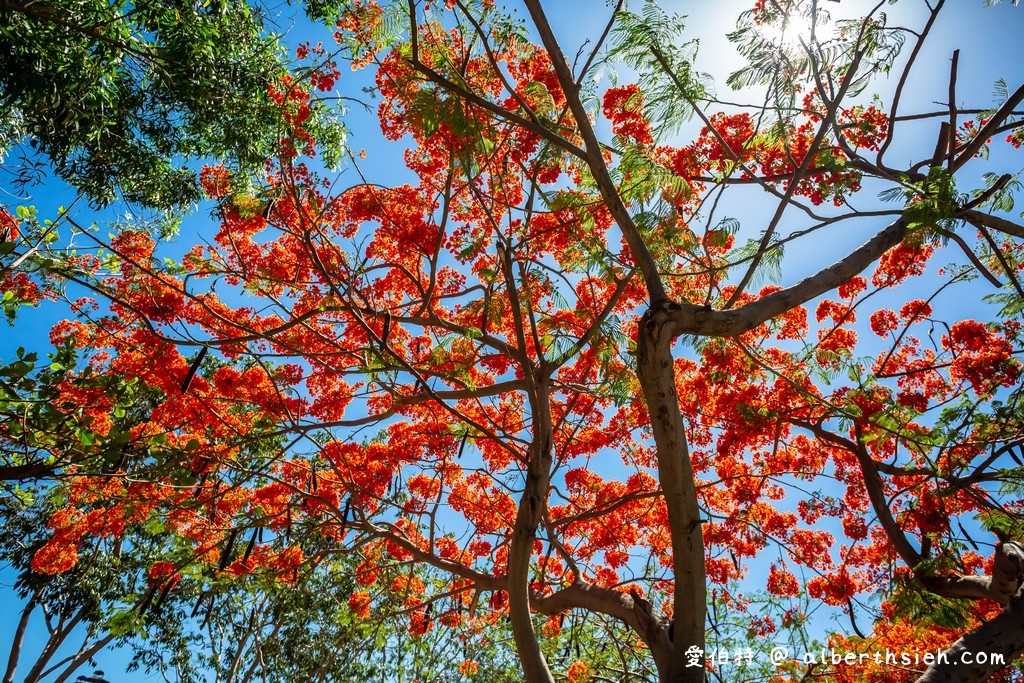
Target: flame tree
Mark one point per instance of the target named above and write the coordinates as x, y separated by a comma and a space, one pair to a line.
549, 365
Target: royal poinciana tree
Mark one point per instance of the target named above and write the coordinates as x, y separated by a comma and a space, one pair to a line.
549, 366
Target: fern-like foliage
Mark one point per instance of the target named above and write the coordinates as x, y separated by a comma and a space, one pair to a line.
652, 43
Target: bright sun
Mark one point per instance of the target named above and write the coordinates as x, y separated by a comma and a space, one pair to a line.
796, 28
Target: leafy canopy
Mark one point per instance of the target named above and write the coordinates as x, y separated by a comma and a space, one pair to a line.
551, 366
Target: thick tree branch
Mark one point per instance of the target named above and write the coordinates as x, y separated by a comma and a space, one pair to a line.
83, 656
656, 372
1002, 636
1008, 559
579, 595
699, 320
28, 471
987, 220
595, 158
989, 129
875, 491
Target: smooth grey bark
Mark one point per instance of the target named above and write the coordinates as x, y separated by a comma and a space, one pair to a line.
656, 371
83, 656
702, 321
1003, 636
19, 638
655, 367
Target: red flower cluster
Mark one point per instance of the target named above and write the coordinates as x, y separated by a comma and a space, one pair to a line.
982, 356
215, 181
623, 106
8, 227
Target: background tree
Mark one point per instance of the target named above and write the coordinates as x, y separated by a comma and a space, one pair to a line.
116, 95
477, 371
42, 440
143, 591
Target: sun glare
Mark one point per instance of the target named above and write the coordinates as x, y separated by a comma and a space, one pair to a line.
794, 30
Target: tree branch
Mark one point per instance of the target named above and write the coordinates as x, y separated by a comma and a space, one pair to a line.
699, 320
1003, 636
595, 159
19, 637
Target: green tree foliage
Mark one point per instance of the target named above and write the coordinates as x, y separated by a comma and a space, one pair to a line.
116, 94
42, 438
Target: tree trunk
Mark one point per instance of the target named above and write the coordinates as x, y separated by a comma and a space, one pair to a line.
656, 371
19, 639
531, 511
531, 506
